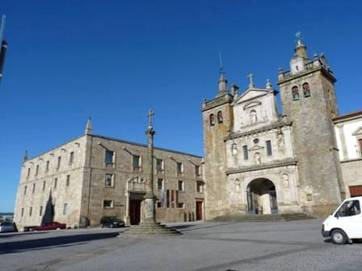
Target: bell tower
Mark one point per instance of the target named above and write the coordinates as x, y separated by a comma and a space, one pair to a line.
309, 101
217, 118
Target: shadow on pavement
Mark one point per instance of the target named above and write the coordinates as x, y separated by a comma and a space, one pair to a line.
59, 241
19, 234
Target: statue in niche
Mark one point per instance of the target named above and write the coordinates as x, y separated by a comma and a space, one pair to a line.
285, 180
280, 140
234, 149
257, 158
237, 184
253, 116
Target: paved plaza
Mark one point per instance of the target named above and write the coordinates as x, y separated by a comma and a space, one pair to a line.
295, 245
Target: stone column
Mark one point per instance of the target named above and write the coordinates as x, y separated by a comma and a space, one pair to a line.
149, 202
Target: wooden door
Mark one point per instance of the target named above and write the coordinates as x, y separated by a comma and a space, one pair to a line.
135, 211
355, 191
198, 210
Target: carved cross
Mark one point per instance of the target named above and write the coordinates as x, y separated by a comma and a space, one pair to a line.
150, 115
298, 35
251, 80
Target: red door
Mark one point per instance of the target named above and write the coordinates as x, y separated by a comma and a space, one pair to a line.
135, 211
355, 191
198, 210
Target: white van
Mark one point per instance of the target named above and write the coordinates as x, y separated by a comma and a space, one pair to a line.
345, 223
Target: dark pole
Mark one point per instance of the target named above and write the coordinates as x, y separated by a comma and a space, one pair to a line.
3, 46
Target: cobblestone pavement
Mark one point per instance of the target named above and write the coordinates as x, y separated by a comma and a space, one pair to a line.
203, 246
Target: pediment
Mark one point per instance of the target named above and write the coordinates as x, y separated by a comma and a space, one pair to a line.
358, 132
251, 94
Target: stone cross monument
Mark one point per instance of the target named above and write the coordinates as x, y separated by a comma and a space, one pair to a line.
148, 225
149, 204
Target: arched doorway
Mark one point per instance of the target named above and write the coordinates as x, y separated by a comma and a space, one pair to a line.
262, 197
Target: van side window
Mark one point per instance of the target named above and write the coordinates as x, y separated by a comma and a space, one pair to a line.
349, 208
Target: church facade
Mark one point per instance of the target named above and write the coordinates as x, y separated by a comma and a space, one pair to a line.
261, 161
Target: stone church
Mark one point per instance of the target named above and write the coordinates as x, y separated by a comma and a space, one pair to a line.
262, 161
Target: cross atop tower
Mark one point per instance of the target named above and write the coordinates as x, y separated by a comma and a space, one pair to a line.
251, 80
299, 37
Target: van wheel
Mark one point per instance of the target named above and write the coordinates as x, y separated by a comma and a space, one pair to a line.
339, 237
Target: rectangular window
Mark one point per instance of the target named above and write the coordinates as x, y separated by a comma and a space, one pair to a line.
33, 188
159, 204
47, 166
269, 151
55, 183
174, 198
159, 165
181, 185
37, 170
197, 171
59, 161
109, 158
136, 162
25, 188
108, 204
199, 187
65, 207
71, 158
30, 211
245, 152
180, 168
168, 200
160, 184
180, 205
27, 176
360, 146
41, 211
108, 181
43, 185
68, 180
22, 212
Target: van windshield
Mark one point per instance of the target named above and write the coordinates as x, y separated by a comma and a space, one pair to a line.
349, 208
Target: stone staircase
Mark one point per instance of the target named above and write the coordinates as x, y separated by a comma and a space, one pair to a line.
150, 229
263, 218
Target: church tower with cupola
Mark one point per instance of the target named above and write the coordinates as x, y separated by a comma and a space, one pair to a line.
217, 117
309, 102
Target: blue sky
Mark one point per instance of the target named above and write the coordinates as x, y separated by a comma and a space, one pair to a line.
113, 60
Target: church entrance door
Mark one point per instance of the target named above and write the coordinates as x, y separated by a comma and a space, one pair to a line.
262, 197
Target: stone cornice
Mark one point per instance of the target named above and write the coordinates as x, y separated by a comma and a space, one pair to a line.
279, 163
220, 100
272, 126
352, 160
290, 77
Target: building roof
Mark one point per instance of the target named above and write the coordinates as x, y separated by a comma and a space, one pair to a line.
114, 139
144, 145
349, 116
